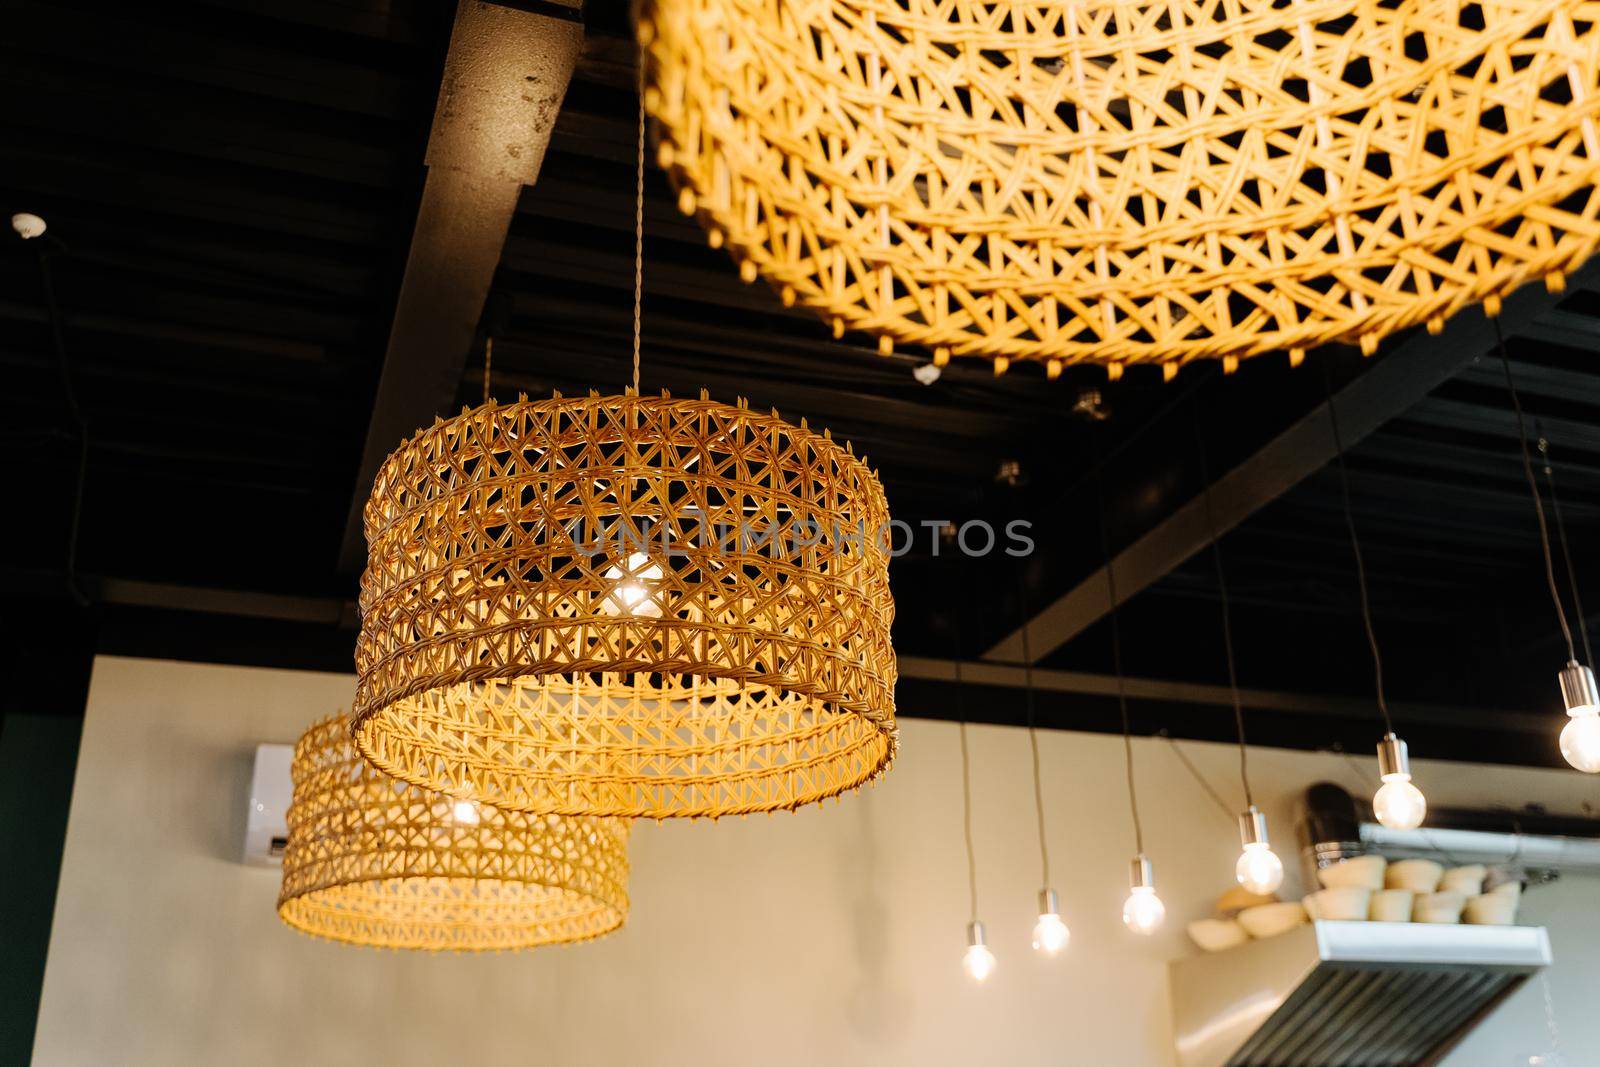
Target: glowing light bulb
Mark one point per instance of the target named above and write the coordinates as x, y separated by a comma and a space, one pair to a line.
1580, 742
1050, 934
1143, 911
465, 812
632, 583
1398, 804
1580, 738
978, 963
1259, 869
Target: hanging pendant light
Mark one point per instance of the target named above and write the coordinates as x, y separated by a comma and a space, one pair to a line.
373, 861
978, 963
1050, 933
1143, 912
1174, 181
627, 605
1398, 803
1259, 870
1580, 737
624, 605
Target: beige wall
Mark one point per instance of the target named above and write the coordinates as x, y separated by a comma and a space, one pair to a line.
831, 936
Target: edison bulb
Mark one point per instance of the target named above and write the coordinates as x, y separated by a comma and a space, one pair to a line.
1580, 742
1050, 934
465, 812
1398, 804
630, 593
1259, 869
1143, 911
978, 963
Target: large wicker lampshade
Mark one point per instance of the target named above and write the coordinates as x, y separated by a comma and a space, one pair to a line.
373, 861
1131, 181
631, 606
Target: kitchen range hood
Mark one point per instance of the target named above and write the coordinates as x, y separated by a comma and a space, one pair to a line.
1348, 994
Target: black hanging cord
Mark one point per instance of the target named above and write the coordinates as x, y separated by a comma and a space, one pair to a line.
1227, 609
966, 824
1116, 656
1355, 550
1533, 488
79, 419
1566, 550
1033, 733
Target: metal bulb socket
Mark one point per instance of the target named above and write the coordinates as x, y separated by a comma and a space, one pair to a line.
1393, 757
975, 933
1578, 690
1049, 902
1253, 826
1141, 875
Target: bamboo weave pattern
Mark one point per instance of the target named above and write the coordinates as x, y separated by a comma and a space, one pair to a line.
373, 861
1127, 181
617, 605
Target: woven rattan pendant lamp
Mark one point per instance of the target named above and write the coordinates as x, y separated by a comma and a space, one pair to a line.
1133, 181
626, 605
373, 861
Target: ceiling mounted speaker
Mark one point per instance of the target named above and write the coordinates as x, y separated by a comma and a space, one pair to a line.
373, 861
1124, 181
618, 605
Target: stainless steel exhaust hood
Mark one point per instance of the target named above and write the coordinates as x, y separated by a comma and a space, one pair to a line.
1348, 994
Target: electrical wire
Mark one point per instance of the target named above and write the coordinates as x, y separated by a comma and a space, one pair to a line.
1227, 610
1116, 659
1222, 805
1533, 488
1033, 733
966, 824
1566, 550
80, 422
638, 232
488, 360
1355, 549
966, 778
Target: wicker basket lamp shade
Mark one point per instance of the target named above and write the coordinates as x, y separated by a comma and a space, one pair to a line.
624, 605
373, 861
1133, 181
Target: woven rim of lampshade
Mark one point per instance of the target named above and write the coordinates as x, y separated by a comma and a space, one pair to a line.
373, 861
1124, 182
756, 674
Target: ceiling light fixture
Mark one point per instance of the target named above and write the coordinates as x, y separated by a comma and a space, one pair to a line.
372, 861
1259, 869
627, 605
1580, 738
1143, 911
1398, 803
1181, 181
978, 961
1050, 933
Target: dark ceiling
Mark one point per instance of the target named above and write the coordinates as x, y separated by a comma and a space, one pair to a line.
231, 188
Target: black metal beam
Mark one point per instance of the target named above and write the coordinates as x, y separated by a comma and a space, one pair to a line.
1413, 369
504, 80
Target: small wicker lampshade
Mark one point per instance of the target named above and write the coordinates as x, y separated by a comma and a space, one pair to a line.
631, 606
1128, 181
373, 861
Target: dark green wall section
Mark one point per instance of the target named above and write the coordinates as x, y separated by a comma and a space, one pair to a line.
38, 754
